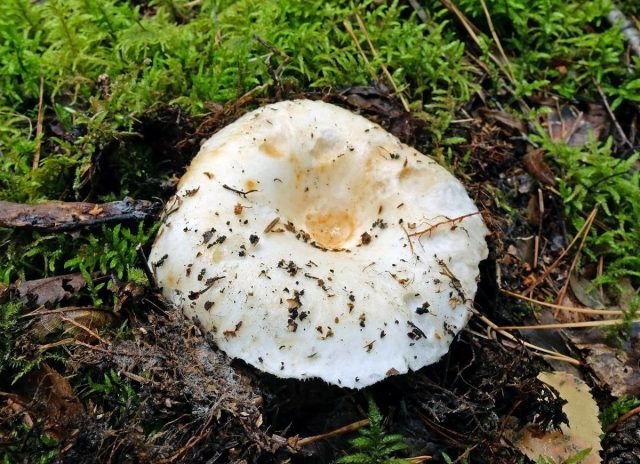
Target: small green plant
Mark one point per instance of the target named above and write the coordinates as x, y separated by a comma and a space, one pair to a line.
22, 443
112, 252
618, 408
374, 445
594, 177
8, 321
118, 393
575, 459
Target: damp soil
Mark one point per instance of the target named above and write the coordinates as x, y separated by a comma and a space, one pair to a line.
189, 403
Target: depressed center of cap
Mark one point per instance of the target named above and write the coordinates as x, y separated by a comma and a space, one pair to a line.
331, 230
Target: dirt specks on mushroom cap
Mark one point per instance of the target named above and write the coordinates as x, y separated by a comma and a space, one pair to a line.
319, 275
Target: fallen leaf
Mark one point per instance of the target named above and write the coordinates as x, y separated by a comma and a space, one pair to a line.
536, 166
49, 321
574, 127
503, 118
47, 291
54, 398
583, 431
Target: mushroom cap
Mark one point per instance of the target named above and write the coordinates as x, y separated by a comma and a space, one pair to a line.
289, 240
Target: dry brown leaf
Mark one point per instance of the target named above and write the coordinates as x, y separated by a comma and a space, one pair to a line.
55, 392
51, 320
538, 168
584, 427
47, 291
573, 126
503, 118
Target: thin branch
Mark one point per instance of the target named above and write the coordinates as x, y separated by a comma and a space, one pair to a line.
145, 267
497, 41
57, 217
511, 337
339, 431
86, 329
621, 133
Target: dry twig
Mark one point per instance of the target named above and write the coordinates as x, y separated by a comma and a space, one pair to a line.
298, 443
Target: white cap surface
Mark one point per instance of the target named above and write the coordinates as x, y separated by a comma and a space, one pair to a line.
289, 240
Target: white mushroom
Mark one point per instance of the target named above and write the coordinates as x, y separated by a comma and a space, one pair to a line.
312, 243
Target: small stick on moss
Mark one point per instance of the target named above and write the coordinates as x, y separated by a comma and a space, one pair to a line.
145, 267
298, 443
36, 155
621, 133
474, 32
286, 59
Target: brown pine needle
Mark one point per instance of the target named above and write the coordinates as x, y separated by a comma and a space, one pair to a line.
507, 68
511, 337
599, 312
585, 234
544, 275
347, 26
86, 329
567, 325
473, 31
36, 155
386, 72
340, 431
419, 459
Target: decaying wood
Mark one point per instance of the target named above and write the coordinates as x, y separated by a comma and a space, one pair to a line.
56, 216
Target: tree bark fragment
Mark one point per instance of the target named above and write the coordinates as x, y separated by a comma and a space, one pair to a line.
60, 216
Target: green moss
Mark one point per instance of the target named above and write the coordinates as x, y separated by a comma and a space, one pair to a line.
618, 409
593, 177
555, 45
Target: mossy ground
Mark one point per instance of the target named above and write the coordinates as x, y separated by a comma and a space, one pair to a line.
105, 99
